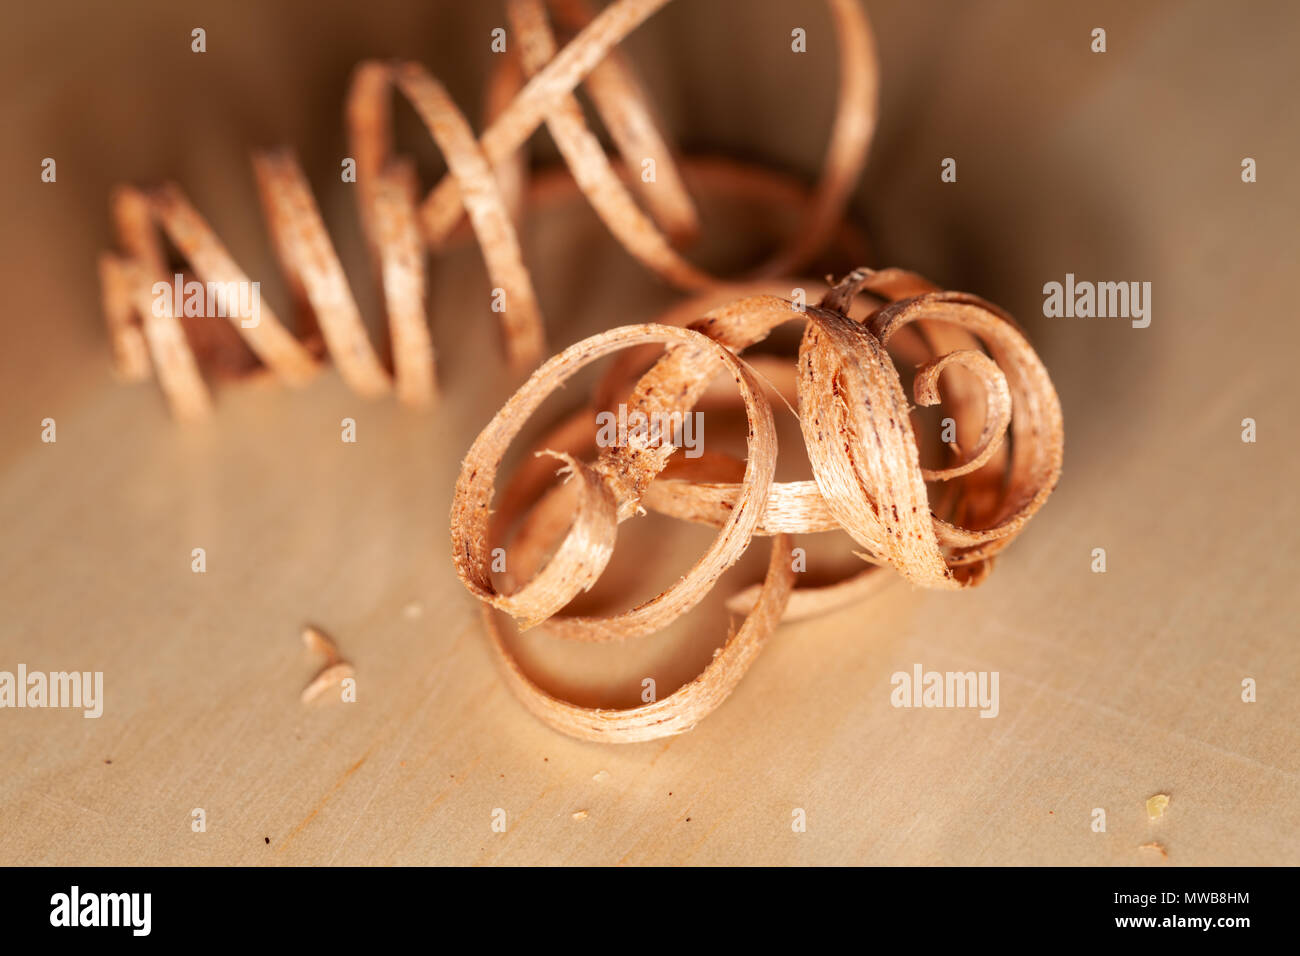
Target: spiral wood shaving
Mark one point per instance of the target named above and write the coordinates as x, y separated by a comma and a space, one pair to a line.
486, 184
867, 478
938, 527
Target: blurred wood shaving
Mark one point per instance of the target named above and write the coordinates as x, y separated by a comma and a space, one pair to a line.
486, 184
335, 671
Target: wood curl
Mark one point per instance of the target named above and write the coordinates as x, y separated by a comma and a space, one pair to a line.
938, 527
486, 184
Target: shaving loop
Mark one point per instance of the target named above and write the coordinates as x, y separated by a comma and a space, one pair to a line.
938, 527
486, 184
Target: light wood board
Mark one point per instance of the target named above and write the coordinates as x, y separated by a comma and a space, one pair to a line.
1113, 687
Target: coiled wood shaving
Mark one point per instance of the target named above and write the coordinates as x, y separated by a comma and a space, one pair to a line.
485, 183
867, 477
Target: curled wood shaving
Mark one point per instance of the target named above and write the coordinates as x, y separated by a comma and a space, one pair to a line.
867, 477
486, 184
335, 671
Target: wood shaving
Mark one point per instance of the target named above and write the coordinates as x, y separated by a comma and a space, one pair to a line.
867, 476
1156, 806
867, 479
335, 671
316, 640
486, 184
332, 676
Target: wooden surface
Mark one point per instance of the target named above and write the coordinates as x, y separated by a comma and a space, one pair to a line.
1113, 687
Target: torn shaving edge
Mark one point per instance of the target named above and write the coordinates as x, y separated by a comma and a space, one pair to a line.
867, 475
335, 671
486, 184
